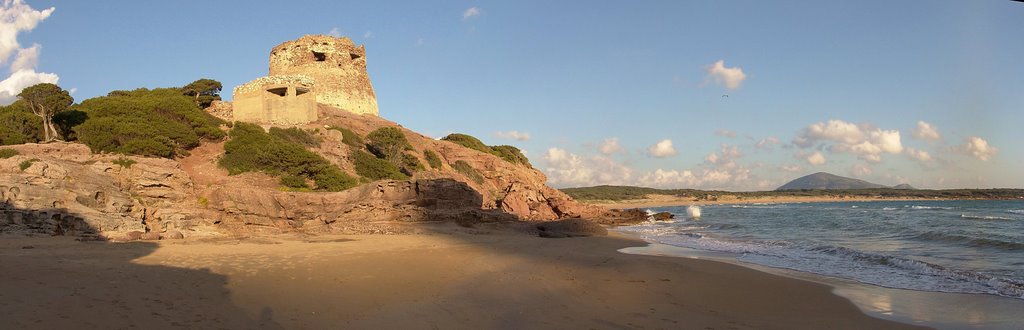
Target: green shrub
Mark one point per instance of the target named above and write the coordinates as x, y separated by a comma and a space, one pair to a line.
65, 121
293, 181
296, 135
125, 162
463, 167
411, 164
18, 125
8, 153
374, 168
252, 149
468, 142
388, 143
349, 137
508, 153
26, 163
160, 122
432, 159
511, 154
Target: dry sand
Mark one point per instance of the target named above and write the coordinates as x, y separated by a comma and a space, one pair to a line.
449, 277
670, 200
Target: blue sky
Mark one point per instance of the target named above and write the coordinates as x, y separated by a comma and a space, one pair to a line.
929, 93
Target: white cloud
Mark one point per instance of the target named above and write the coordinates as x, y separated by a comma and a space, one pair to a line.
368, 35
16, 17
471, 12
565, 169
514, 135
865, 141
610, 146
919, 155
662, 149
731, 78
767, 142
26, 59
725, 133
335, 32
979, 148
791, 168
860, 170
925, 131
815, 158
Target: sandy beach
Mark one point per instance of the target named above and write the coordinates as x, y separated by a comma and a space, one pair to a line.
670, 200
446, 277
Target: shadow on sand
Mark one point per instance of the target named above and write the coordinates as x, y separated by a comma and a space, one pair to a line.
61, 283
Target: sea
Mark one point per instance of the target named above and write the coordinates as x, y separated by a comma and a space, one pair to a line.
955, 246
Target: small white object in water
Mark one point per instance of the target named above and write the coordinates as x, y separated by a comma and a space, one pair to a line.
693, 212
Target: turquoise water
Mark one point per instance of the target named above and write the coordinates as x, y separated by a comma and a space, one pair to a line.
942, 246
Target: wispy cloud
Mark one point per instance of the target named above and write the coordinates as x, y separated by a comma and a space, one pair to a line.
335, 32
731, 78
925, 131
514, 135
368, 35
471, 12
610, 146
725, 133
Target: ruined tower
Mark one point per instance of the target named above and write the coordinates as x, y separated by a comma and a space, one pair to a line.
337, 67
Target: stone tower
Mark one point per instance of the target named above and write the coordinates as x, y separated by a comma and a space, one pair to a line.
337, 67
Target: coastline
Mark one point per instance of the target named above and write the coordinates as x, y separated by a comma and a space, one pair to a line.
944, 310
669, 200
447, 276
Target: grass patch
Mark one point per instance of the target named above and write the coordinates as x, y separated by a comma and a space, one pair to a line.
25, 164
8, 153
125, 162
252, 149
432, 159
464, 168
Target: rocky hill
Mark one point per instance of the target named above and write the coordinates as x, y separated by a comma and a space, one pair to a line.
64, 188
826, 181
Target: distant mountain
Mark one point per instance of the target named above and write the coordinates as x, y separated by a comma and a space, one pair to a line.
904, 186
826, 181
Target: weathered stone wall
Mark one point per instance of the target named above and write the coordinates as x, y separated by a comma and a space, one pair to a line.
276, 100
337, 66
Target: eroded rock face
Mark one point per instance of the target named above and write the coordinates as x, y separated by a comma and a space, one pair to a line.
66, 190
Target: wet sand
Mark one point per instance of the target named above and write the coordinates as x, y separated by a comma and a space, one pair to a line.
448, 277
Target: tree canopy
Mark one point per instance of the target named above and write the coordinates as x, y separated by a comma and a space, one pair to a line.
46, 100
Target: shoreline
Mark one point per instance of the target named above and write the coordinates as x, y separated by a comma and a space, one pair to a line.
484, 277
669, 200
917, 307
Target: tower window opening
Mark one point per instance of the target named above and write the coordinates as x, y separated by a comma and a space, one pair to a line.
319, 57
279, 91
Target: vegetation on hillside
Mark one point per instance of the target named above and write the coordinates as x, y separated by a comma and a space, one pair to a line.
463, 167
617, 193
18, 125
349, 137
374, 168
390, 144
159, 122
45, 101
508, 153
8, 153
295, 134
432, 159
203, 91
252, 149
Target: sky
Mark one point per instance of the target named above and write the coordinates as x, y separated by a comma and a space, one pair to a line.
737, 95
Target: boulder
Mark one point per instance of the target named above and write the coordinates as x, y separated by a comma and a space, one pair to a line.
133, 235
150, 236
172, 234
663, 216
